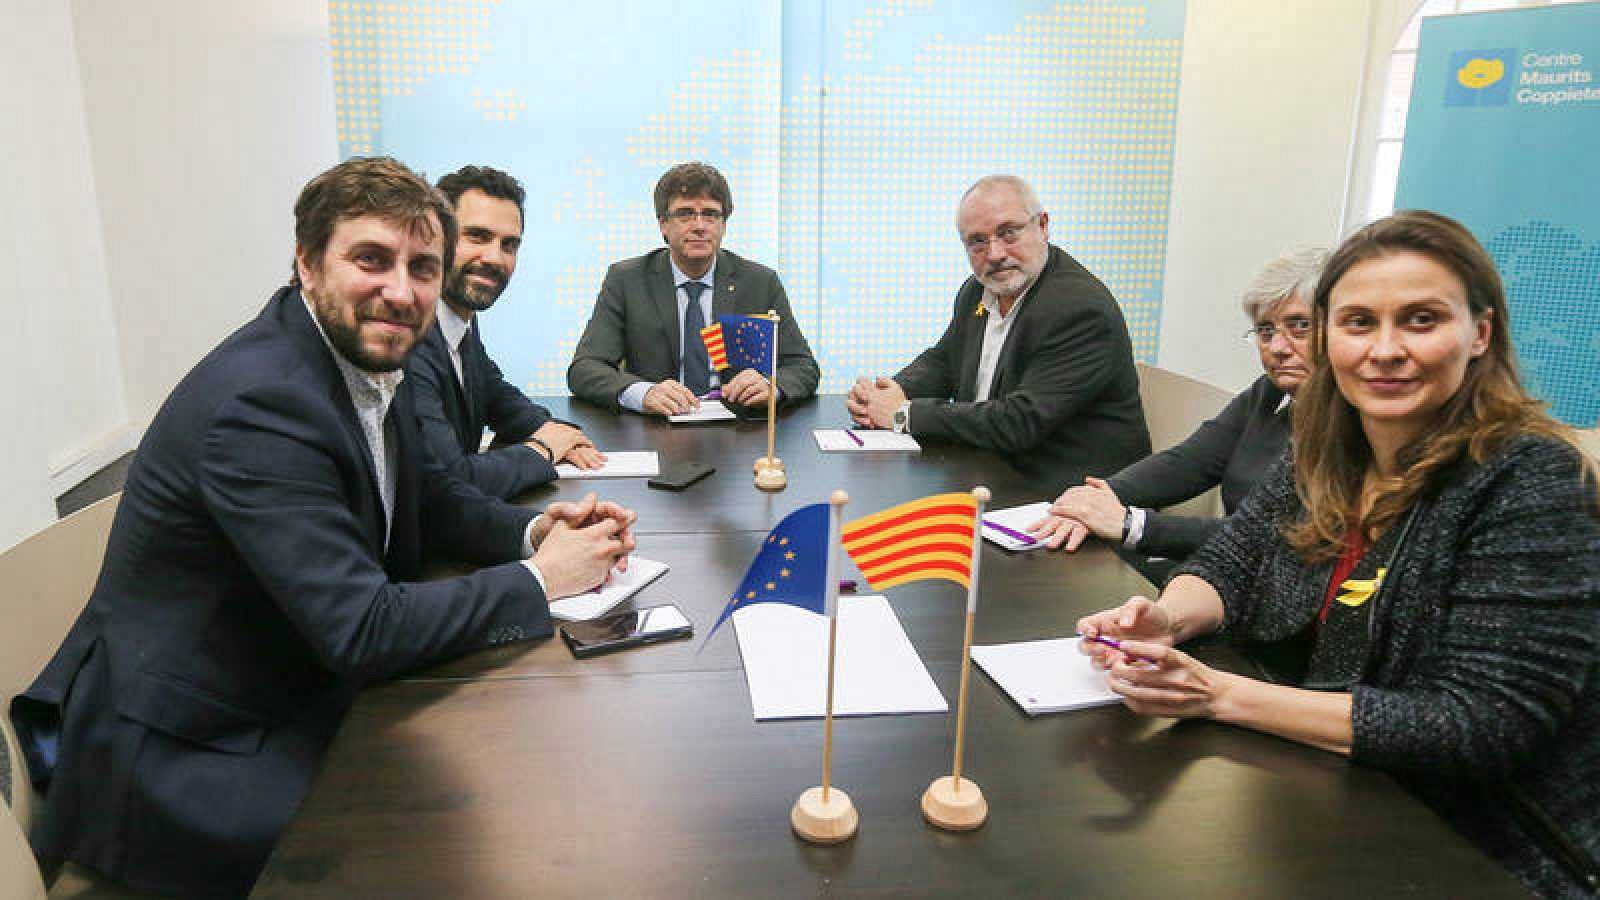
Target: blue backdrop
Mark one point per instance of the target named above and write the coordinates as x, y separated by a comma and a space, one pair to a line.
1502, 134
847, 130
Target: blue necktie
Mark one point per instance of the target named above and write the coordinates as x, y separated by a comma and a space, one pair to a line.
696, 365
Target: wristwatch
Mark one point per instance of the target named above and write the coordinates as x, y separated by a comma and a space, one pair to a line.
902, 417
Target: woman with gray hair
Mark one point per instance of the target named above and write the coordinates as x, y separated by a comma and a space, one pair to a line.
1232, 450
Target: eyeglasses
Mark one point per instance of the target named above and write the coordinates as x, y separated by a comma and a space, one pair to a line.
686, 215
1007, 234
1296, 327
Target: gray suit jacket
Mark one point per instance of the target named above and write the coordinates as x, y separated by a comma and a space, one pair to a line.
633, 333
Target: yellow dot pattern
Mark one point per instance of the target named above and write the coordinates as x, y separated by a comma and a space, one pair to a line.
382, 50
845, 183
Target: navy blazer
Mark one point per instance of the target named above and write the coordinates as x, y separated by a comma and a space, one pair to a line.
245, 595
452, 416
1064, 402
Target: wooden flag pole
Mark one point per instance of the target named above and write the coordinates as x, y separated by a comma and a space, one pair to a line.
950, 802
825, 814
769, 469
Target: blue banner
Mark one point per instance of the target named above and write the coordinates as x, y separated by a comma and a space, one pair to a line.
1502, 134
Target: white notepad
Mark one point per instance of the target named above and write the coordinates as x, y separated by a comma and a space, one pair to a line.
709, 411
1045, 676
602, 600
877, 671
839, 440
619, 464
1001, 526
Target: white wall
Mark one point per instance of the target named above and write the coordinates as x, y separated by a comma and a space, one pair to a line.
1269, 98
61, 369
205, 117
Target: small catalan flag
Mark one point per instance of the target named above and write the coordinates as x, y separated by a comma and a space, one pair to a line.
712, 335
927, 538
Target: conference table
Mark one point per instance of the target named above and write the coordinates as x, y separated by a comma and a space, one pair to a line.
520, 771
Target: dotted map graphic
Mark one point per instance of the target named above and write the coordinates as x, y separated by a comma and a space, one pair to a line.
847, 129
1550, 277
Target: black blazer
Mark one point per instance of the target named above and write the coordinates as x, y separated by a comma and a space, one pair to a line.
1232, 450
452, 417
633, 333
1064, 402
246, 594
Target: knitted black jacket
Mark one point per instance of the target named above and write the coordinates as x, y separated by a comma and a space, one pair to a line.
1481, 691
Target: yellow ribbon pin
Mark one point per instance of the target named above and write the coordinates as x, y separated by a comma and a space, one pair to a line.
1357, 591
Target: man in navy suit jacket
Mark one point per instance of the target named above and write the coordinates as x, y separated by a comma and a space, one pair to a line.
263, 562
459, 388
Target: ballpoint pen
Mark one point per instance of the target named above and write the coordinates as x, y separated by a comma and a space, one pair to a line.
1114, 644
854, 437
1019, 536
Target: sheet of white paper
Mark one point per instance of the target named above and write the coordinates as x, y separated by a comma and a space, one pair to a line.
619, 464
1045, 676
709, 411
837, 440
877, 671
1017, 519
623, 585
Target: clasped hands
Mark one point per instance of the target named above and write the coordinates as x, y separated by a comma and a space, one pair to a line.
1152, 676
1089, 508
671, 398
579, 542
872, 403
568, 444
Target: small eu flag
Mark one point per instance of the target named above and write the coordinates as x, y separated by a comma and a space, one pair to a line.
749, 340
792, 566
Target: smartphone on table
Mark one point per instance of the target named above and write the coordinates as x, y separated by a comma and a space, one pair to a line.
620, 631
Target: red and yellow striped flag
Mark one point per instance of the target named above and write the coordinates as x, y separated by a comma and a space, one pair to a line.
927, 538
712, 335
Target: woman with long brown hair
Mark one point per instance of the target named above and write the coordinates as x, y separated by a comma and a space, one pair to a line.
1425, 568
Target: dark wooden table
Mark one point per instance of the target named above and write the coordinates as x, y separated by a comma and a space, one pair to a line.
520, 772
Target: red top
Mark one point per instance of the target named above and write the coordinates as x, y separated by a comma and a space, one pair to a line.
1355, 547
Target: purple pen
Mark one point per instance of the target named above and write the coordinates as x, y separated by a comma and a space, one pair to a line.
855, 437
847, 585
1011, 532
1114, 644
713, 394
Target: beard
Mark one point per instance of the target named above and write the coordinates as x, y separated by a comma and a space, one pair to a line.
391, 350
476, 297
1005, 282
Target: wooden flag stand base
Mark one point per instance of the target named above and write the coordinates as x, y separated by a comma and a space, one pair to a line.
954, 806
819, 822
770, 475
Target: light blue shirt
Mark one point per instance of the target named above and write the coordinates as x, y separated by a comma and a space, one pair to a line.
632, 396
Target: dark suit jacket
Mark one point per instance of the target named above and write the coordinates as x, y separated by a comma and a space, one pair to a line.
633, 332
246, 594
452, 416
1065, 396
1234, 450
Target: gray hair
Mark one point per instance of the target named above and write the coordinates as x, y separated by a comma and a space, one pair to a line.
1030, 200
1292, 273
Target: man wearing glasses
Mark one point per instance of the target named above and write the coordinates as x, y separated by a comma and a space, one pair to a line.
1035, 364
642, 349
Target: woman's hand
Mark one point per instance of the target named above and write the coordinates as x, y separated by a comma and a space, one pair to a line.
1157, 679
1094, 504
1137, 620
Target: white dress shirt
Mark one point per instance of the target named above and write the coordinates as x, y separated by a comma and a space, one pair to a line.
454, 330
632, 396
372, 393
995, 329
